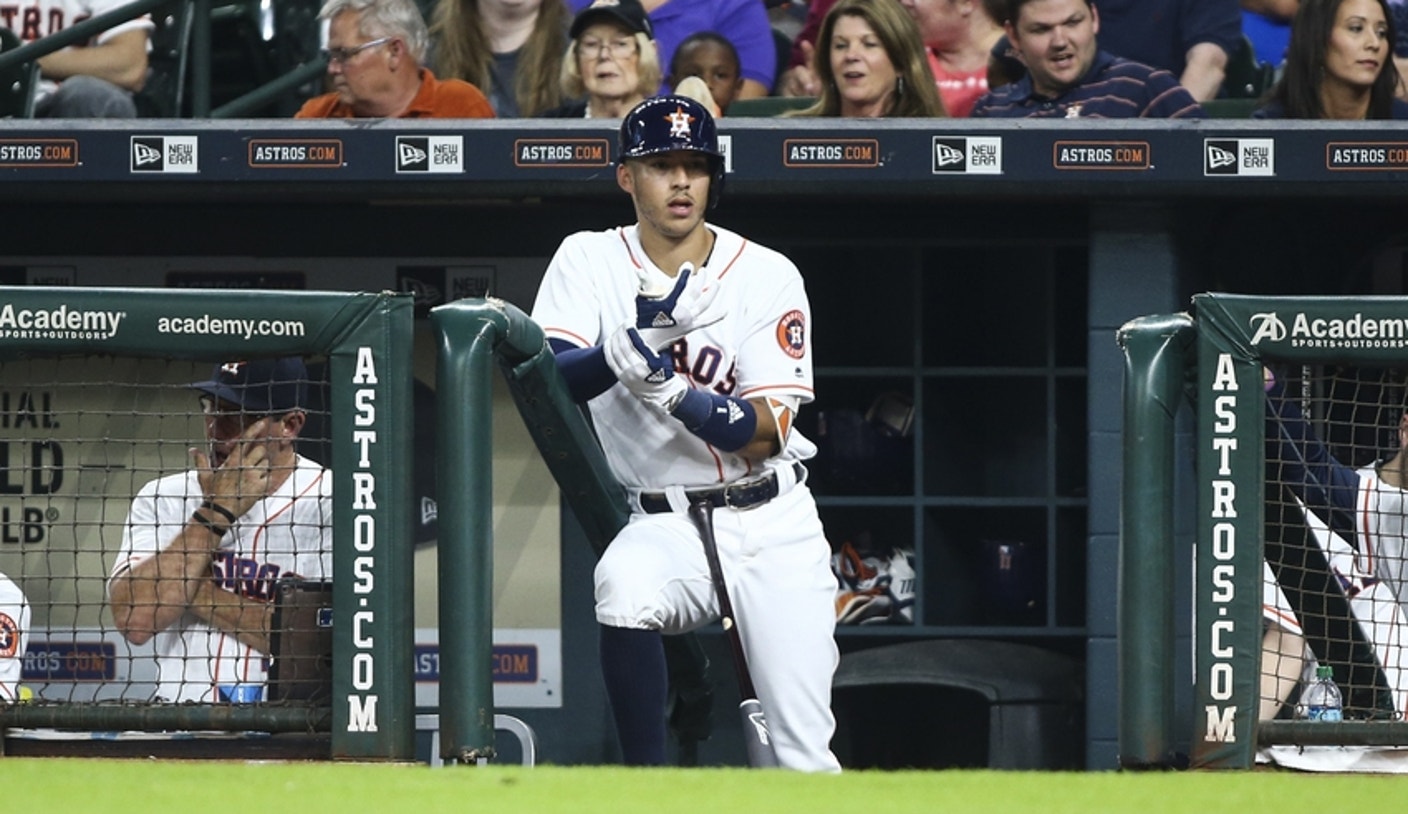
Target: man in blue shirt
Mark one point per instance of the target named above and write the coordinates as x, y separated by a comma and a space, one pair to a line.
1192, 39
1068, 76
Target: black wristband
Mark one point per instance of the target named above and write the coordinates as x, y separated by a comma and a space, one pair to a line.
215, 528
220, 510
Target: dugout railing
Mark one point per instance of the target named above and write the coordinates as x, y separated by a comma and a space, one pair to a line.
1214, 359
365, 340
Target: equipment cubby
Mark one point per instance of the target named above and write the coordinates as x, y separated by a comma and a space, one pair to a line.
957, 428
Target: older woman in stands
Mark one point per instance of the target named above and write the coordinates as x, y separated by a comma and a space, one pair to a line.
612, 64
1339, 64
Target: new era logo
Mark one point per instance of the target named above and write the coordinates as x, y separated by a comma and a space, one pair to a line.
1239, 157
145, 155
166, 154
412, 154
950, 155
429, 154
969, 155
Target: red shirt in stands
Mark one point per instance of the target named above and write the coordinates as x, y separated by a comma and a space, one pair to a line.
436, 99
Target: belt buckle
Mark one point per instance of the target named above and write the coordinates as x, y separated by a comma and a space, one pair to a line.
745, 491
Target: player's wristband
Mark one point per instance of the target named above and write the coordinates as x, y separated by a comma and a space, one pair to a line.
584, 369
723, 421
220, 510
215, 528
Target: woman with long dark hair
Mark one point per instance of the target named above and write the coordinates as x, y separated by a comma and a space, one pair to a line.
1339, 64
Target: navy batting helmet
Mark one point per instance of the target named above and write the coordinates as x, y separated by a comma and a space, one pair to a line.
665, 124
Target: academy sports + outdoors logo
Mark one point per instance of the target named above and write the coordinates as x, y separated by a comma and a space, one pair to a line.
1306, 331
58, 323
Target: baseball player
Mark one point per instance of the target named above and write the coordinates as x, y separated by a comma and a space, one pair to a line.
1356, 516
203, 549
14, 635
692, 347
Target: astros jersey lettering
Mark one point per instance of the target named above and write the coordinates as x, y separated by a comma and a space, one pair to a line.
763, 348
287, 533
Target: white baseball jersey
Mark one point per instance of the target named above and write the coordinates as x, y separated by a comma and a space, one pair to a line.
287, 533
14, 635
774, 556
762, 348
34, 19
1372, 579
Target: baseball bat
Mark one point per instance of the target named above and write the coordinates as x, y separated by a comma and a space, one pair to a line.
756, 737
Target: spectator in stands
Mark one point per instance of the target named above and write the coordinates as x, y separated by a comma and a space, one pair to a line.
957, 34
1192, 39
513, 50
375, 53
1398, 12
711, 57
1069, 76
202, 550
873, 64
744, 23
89, 81
1339, 65
612, 63
14, 635
1267, 24
1004, 66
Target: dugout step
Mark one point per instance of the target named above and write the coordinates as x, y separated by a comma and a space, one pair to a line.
527, 738
1033, 716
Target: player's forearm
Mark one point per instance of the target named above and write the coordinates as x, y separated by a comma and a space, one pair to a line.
121, 60
1204, 71
245, 619
153, 594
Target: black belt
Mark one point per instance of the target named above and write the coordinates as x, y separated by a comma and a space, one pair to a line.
735, 495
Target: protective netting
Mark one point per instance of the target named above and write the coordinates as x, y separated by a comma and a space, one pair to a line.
1334, 540
81, 437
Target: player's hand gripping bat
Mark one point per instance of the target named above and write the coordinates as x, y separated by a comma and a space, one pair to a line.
756, 737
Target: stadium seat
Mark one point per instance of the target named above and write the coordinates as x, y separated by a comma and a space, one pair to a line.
768, 105
17, 84
1247, 77
164, 93
1230, 108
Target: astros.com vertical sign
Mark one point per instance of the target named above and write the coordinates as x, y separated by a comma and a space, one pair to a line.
362, 699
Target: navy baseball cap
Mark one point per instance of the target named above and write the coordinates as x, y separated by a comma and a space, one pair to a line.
260, 386
629, 13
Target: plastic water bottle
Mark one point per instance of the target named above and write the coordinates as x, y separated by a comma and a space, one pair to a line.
1322, 700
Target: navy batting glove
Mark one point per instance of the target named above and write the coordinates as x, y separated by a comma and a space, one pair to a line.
652, 312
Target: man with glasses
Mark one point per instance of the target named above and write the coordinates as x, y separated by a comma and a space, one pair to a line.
376, 50
203, 550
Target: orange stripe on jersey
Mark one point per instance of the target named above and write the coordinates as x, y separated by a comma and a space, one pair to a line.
774, 387
578, 339
1370, 488
733, 259
621, 233
254, 548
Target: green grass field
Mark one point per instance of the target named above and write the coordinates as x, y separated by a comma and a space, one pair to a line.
147, 787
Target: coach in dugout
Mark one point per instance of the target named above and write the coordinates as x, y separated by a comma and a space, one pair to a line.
376, 54
202, 550
1069, 77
